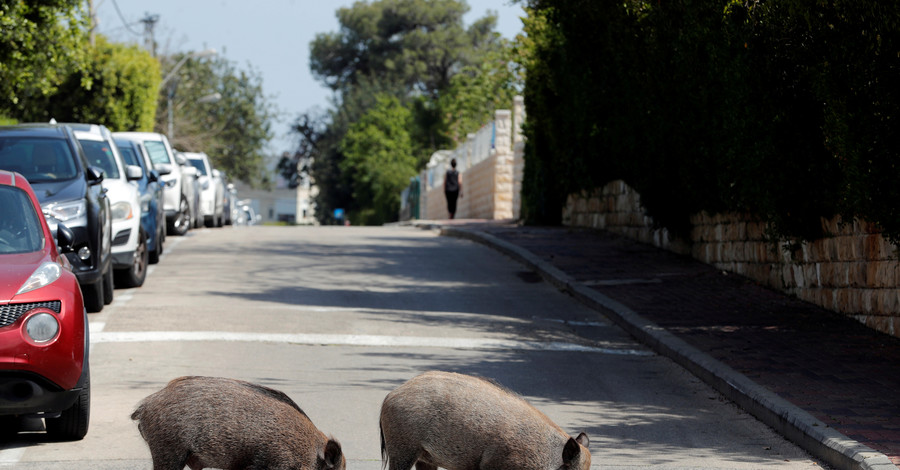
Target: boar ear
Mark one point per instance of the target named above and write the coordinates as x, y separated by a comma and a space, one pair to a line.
583, 440
571, 451
332, 455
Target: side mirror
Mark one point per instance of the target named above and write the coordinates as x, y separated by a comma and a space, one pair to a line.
153, 176
94, 175
179, 159
65, 239
133, 172
163, 168
216, 174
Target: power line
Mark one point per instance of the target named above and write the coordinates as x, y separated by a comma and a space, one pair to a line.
124, 22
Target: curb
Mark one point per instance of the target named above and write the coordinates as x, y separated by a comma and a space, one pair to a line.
787, 419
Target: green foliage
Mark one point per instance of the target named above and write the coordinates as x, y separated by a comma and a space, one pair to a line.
117, 88
784, 109
419, 53
231, 129
41, 44
378, 148
418, 43
477, 90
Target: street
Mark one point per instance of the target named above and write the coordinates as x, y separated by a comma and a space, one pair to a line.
336, 317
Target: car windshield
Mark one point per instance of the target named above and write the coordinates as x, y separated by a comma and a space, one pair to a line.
100, 155
20, 228
157, 151
39, 160
198, 164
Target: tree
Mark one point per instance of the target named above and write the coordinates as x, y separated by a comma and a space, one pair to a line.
117, 88
41, 43
378, 148
480, 89
419, 43
231, 127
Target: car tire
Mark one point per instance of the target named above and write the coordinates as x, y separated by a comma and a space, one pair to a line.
220, 221
109, 288
72, 424
209, 223
153, 256
9, 427
182, 222
134, 276
93, 295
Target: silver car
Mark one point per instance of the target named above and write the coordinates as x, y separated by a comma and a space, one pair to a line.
212, 190
179, 190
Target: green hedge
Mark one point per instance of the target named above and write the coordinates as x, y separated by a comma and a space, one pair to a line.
787, 109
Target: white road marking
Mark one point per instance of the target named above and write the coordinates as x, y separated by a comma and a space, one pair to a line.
355, 340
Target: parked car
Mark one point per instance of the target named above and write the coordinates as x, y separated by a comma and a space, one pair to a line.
43, 323
246, 214
129, 243
212, 190
153, 217
192, 176
70, 192
177, 192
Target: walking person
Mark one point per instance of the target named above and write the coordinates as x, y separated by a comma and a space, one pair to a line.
452, 188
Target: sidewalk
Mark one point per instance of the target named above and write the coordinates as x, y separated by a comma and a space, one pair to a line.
823, 380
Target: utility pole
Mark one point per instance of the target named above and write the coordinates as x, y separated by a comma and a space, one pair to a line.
149, 23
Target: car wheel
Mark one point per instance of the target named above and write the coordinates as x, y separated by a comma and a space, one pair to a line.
209, 223
153, 256
9, 427
109, 288
135, 275
183, 219
72, 423
220, 221
93, 295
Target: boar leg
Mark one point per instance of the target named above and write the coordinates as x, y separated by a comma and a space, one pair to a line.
166, 459
420, 465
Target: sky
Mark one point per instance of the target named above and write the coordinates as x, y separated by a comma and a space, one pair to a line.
269, 36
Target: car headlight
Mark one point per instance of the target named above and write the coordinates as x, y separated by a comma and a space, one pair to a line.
42, 276
170, 183
42, 327
65, 211
122, 211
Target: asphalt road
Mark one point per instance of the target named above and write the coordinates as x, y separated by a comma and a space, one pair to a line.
336, 317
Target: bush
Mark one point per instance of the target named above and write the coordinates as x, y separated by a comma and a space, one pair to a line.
783, 109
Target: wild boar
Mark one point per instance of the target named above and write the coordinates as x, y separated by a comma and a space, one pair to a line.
460, 422
231, 424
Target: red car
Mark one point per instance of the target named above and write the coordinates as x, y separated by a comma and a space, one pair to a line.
43, 323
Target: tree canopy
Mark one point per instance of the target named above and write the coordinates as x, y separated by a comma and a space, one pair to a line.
221, 110
117, 88
41, 44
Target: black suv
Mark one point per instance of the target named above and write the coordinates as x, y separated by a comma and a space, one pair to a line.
51, 159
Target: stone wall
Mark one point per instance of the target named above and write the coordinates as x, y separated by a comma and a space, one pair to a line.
854, 270
488, 174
